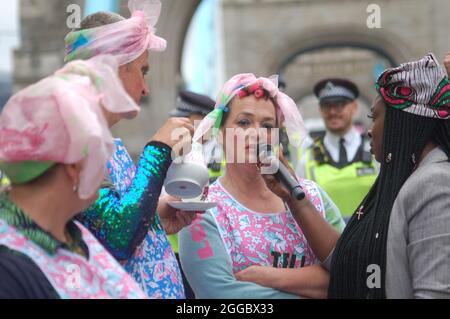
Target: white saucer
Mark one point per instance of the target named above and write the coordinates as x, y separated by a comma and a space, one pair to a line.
192, 206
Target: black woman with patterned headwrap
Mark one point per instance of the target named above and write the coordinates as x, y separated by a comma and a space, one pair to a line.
397, 243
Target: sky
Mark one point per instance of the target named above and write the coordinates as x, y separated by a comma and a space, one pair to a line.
100, 5
202, 65
9, 37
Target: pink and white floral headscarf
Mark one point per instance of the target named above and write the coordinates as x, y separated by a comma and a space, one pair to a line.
60, 120
126, 40
286, 108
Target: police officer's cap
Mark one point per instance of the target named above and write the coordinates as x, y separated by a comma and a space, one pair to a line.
189, 103
335, 90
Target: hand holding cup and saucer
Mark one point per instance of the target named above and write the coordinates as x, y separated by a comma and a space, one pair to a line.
188, 179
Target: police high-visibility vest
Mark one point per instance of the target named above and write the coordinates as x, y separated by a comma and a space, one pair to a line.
4, 181
216, 170
348, 185
173, 239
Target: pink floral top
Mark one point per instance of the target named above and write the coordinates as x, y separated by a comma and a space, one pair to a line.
253, 238
72, 275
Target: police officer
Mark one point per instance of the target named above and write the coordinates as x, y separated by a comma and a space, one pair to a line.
339, 160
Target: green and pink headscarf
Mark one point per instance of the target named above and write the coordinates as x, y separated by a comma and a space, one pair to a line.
60, 120
240, 86
126, 40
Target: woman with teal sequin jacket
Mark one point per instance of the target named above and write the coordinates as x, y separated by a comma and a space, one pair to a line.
124, 217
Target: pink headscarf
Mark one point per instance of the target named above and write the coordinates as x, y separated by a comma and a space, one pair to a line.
286, 108
59, 120
126, 40
100, 75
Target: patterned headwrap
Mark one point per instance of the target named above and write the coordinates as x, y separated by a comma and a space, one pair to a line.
59, 120
286, 108
419, 87
126, 40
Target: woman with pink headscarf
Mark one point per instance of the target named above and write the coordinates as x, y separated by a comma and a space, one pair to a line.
54, 144
251, 226
128, 218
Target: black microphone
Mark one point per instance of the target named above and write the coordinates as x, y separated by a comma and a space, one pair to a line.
265, 154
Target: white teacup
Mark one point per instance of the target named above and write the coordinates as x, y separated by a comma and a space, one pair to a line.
188, 179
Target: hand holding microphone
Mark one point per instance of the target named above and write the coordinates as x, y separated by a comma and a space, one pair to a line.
282, 182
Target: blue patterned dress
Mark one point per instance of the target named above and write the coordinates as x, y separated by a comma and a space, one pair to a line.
124, 220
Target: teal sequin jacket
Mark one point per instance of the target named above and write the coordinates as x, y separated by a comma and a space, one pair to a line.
120, 221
